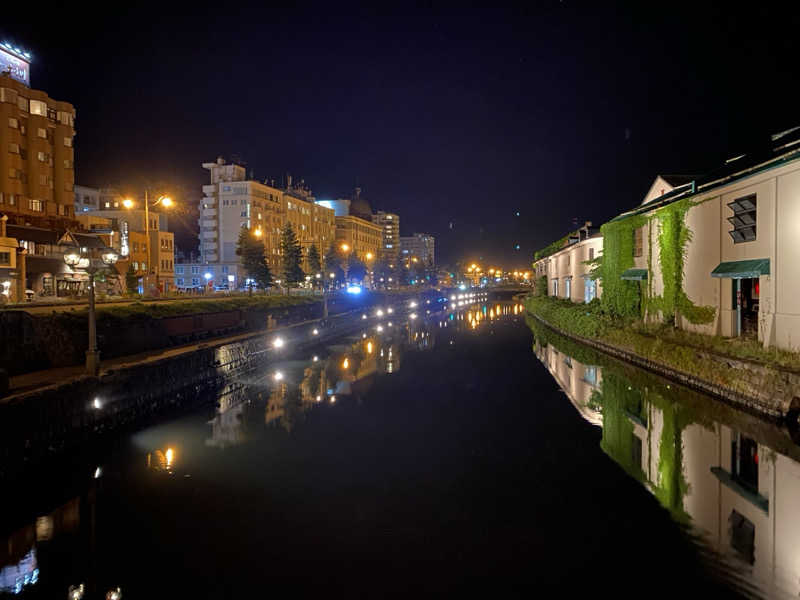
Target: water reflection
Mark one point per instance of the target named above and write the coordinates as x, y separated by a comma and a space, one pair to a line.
19, 565
731, 478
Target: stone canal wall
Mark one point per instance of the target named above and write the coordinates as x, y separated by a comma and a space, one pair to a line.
757, 388
63, 416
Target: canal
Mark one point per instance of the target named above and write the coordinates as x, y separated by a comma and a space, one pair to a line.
432, 454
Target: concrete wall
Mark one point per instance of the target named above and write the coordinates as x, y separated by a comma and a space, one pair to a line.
569, 263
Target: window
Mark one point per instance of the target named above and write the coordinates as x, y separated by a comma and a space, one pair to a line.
38, 108
195, 281
591, 253
68, 142
568, 288
195, 270
638, 241
22, 103
135, 266
5, 258
13, 148
42, 133
35, 205
13, 123
179, 270
555, 288
224, 268
180, 281
67, 163
743, 219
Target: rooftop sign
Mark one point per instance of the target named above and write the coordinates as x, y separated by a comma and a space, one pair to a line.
17, 62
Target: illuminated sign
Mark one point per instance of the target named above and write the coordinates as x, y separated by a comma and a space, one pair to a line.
16, 62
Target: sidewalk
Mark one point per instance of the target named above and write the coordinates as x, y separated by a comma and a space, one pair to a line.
37, 380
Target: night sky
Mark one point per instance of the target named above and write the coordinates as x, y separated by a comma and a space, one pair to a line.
455, 119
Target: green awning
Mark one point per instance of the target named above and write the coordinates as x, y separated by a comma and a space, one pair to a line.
635, 275
742, 269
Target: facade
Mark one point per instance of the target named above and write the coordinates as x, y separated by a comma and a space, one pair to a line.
743, 249
231, 202
566, 270
390, 226
161, 253
363, 237
86, 199
421, 246
36, 157
10, 289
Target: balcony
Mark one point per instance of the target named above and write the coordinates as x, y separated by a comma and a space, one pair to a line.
208, 235
209, 246
210, 257
208, 223
209, 189
209, 212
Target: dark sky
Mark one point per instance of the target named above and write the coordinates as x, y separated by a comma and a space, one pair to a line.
559, 111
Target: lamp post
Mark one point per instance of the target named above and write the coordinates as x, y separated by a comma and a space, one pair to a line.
73, 259
165, 201
346, 262
369, 256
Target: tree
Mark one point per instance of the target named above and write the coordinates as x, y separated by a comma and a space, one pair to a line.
131, 280
292, 257
314, 261
333, 264
253, 256
381, 274
356, 269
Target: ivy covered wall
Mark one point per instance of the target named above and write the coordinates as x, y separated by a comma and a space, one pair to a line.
667, 241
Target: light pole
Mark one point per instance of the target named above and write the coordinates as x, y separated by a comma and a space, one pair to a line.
165, 201
369, 256
73, 259
346, 262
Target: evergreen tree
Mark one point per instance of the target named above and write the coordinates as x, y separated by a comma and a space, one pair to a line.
292, 257
131, 280
333, 264
314, 261
253, 256
357, 270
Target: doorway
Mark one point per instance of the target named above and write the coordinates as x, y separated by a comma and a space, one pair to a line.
746, 293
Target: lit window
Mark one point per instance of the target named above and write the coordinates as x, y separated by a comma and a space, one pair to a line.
38, 108
41, 132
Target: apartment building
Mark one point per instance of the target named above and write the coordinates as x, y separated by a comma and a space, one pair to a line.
364, 238
36, 156
231, 201
390, 245
421, 246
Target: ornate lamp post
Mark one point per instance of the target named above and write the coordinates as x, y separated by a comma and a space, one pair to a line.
74, 260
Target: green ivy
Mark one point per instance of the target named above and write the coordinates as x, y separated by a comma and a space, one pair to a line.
550, 249
620, 298
673, 239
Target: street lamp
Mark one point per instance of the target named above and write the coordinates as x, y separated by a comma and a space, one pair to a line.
162, 200
74, 260
346, 262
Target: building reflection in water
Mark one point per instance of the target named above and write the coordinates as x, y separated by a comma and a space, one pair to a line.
19, 565
732, 478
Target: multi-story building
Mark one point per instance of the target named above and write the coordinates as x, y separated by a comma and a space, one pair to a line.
36, 156
86, 199
565, 265
314, 224
363, 238
390, 245
231, 202
421, 246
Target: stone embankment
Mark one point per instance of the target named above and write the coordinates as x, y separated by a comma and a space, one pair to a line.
65, 414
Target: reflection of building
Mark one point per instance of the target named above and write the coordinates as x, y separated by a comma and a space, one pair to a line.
579, 381
724, 477
19, 567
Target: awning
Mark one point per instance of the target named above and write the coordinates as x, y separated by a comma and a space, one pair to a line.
635, 275
742, 269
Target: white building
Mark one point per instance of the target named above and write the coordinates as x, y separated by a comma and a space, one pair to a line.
421, 246
566, 270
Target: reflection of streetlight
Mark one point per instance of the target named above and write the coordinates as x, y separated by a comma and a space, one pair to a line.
278, 343
73, 259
